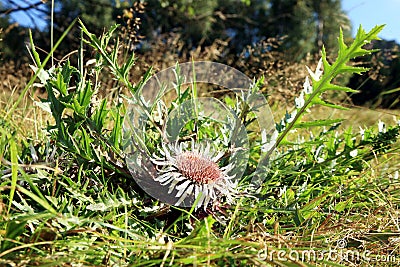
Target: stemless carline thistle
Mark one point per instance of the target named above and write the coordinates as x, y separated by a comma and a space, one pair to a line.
194, 173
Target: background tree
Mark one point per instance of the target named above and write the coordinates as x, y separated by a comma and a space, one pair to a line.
301, 26
380, 87
307, 24
193, 19
11, 46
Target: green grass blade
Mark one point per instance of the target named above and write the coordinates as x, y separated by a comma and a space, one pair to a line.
32, 80
14, 171
38, 198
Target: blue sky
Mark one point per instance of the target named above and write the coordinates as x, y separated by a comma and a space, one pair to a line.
369, 13
365, 12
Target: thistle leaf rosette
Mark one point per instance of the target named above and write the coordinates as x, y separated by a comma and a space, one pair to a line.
158, 134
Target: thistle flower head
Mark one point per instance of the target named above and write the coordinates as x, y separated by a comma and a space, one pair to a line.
194, 174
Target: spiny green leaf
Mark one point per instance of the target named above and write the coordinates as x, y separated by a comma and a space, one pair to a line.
362, 52
348, 137
339, 207
100, 115
109, 57
319, 123
60, 84
342, 45
116, 133
84, 96
325, 62
334, 87
321, 102
313, 203
364, 37
86, 143
351, 69
34, 52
